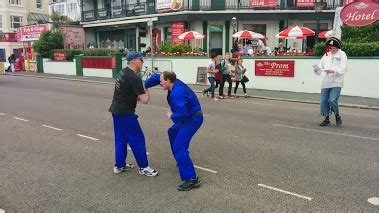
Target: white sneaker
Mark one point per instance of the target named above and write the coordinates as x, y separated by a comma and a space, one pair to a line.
127, 167
148, 172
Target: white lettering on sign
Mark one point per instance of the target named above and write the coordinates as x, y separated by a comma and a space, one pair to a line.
357, 17
279, 66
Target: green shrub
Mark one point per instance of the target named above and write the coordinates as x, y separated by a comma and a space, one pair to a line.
47, 42
352, 48
369, 33
71, 53
167, 47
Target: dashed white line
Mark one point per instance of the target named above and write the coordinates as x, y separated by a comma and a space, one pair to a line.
2, 114
88, 137
286, 192
21, 119
52, 127
205, 169
333, 133
2, 211
374, 201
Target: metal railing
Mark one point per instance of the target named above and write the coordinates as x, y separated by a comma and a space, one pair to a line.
131, 10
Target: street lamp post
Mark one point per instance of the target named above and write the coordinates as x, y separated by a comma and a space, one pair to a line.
234, 24
319, 6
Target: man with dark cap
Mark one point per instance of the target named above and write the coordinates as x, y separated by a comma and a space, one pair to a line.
333, 67
187, 117
128, 89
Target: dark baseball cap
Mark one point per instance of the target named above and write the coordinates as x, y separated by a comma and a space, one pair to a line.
134, 55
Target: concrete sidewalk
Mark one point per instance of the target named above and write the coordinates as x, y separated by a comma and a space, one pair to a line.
313, 98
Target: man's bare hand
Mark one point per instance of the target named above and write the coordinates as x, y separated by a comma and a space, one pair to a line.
169, 113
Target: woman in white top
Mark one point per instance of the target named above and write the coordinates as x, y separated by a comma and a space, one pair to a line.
333, 67
211, 70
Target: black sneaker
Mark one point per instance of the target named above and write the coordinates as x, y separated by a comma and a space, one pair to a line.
190, 184
338, 120
325, 123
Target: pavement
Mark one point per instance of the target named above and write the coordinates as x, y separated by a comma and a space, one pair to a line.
311, 98
252, 155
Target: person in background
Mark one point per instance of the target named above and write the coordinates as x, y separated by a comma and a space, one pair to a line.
211, 70
185, 112
240, 72
280, 49
12, 60
333, 66
127, 130
218, 75
226, 72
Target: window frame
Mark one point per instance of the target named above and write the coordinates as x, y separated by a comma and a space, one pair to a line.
13, 22
39, 4
18, 2
1, 22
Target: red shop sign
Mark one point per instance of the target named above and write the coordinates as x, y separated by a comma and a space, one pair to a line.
99, 63
360, 13
177, 28
274, 68
60, 56
262, 3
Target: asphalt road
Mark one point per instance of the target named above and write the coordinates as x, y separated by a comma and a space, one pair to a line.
252, 155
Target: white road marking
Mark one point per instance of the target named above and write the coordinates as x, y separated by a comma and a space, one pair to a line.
286, 192
21, 119
2, 211
2, 114
52, 127
374, 201
205, 169
344, 113
333, 133
304, 108
84, 136
131, 149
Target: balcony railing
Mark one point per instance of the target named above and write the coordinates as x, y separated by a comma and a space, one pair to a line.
131, 10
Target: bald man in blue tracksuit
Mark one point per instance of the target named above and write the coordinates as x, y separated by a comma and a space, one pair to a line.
187, 117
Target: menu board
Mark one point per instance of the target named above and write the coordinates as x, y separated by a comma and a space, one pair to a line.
201, 76
177, 28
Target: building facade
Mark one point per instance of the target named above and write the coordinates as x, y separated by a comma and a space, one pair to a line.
69, 8
126, 23
16, 13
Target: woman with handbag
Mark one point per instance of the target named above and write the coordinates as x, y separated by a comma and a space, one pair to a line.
240, 77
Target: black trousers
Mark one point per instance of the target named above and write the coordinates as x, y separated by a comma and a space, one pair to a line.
243, 86
225, 77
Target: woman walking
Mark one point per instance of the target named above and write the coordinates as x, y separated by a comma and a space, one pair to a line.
211, 70
226, 71
240, 73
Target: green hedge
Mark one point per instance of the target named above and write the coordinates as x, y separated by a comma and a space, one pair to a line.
369, 33
88, 52
352, 49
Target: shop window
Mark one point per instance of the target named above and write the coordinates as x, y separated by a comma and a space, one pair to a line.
39, 4
16, 22
2, 55
15, 2
258, 28
167, 34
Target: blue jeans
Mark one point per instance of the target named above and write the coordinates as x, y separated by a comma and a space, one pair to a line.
128, 131
329, 101
211, 89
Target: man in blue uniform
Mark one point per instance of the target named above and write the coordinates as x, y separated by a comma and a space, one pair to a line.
187, 117
128, 89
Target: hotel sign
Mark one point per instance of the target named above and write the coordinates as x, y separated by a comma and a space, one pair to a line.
360, 13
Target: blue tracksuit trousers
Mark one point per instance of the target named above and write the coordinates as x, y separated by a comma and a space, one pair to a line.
180, 136
128, 131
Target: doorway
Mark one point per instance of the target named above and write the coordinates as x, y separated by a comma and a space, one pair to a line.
215, 39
